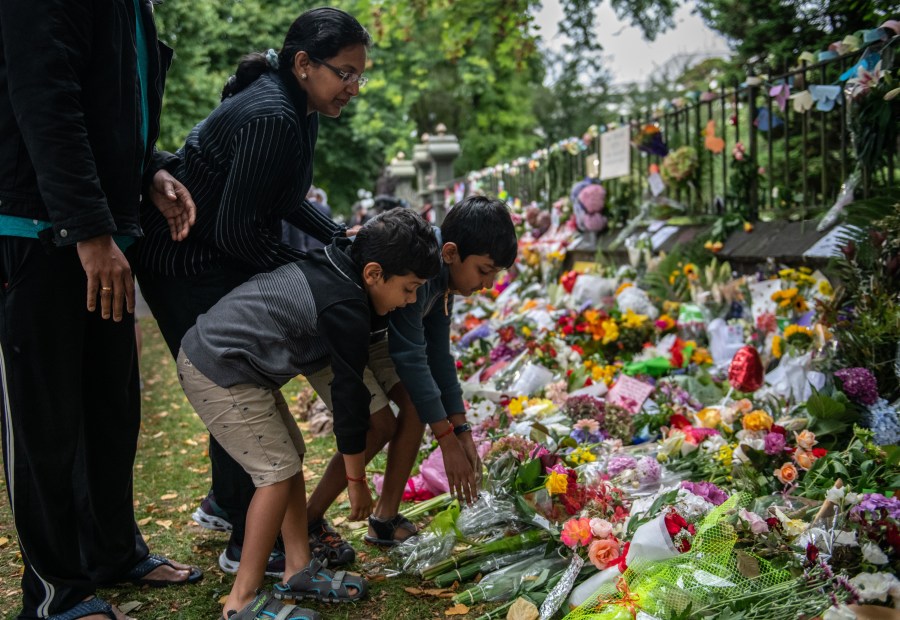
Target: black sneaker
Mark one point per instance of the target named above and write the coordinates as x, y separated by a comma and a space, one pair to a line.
328, 547
230, 561
211, 516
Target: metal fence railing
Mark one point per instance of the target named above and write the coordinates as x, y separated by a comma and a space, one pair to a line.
803, 156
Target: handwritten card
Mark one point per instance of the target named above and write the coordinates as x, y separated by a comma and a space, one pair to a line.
629, 393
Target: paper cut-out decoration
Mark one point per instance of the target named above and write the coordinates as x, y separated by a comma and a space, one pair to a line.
767, 122
825, 96
802, 101
867, 62
713, 143
780, 92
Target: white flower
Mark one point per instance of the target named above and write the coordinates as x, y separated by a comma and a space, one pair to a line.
712, 444
835, 495
842, 612
873, 555
480, 412
852, 499
691, 506
876, 586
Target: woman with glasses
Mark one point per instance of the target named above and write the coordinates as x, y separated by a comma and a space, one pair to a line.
248, 166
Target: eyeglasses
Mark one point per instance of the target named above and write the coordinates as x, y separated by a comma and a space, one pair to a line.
346, 77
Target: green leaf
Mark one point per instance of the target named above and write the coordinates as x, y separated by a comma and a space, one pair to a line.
528, 476
824, 407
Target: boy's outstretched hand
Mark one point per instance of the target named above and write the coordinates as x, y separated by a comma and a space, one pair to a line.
460, 474
360, 500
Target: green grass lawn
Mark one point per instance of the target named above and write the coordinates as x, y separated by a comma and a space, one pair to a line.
172, 476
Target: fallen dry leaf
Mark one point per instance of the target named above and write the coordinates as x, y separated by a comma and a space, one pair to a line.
168, 496
164, 523
130, 606
457, 610
143, 522
3, 541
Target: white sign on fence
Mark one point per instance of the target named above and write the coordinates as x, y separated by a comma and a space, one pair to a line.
615, 153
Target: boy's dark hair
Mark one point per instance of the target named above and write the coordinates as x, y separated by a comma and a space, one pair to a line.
479, 225
322, 33
401, 241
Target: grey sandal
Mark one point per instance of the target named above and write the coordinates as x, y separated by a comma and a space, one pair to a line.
264, 607
317, 582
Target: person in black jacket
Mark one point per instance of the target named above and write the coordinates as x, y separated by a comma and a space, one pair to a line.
249, 166
80, 91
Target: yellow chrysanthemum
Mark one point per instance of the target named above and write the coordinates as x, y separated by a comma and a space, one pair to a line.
580, 456
725, 454
556, 483
633, 320
825, 288
610, 331
526, 331
516, 406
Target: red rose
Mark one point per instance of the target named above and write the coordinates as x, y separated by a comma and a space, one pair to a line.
812, 552
819, 452
778, 429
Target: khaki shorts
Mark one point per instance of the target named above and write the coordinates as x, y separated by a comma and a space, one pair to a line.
379, 376
252, 423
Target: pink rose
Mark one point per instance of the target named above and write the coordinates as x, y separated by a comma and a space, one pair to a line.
601, 528
604, 552
757, 524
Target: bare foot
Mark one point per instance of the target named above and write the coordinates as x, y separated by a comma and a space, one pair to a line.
166, 573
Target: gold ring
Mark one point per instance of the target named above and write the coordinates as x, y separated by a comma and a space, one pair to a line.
106, 288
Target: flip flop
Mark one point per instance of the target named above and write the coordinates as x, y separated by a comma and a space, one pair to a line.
138, 573
86, 608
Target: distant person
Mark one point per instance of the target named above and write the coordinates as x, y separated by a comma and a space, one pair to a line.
296, 238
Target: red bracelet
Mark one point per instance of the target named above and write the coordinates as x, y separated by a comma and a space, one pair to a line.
352, 479
445, 433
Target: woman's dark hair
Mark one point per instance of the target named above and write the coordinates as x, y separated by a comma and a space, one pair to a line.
482, 226
321, 33
401, 241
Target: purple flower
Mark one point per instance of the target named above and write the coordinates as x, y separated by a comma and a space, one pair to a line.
482, 331
875, 502
648, 469
774, 444
707, 490
617, 464
501, 353
859, 384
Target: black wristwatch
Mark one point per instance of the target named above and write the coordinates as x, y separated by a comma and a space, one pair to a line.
462, 428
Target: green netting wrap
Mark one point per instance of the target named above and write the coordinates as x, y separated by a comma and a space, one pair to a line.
711, 573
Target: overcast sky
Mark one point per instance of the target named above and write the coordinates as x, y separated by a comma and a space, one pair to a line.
627, 55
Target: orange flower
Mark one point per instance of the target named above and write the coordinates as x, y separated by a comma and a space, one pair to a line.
804, 459
806, 440
787, 473
603, 552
